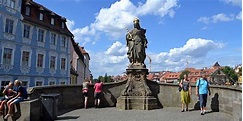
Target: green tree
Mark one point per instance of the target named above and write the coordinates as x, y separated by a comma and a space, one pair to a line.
183, 73
101, 78
106, 78
231, 73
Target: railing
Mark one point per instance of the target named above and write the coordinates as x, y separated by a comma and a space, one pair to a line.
223, 98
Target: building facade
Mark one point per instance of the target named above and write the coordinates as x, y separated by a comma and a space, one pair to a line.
87, 72
77, 64
35, 44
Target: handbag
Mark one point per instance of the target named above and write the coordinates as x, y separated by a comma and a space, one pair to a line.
179, 88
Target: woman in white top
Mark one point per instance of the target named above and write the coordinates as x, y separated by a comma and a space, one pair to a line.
85, 89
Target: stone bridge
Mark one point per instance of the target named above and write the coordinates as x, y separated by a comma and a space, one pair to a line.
223, 99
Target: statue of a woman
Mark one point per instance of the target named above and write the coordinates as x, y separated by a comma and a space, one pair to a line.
136, 42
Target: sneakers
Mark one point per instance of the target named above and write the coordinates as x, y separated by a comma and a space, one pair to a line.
203, 112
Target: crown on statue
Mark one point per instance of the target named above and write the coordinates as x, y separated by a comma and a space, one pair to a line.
136, 20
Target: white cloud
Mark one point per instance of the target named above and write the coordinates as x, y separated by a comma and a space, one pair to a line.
239, 16
157, 7
113, 20
222, 17
117, 49
233, 2
70, 24
205, 20
114, 60
194, 51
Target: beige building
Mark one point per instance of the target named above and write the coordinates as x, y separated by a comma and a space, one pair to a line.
78, 64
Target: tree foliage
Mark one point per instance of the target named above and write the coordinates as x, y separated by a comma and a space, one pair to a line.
105, 78
184, 73
231, 73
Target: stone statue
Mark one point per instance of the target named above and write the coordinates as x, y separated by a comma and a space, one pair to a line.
137, 94
136, 43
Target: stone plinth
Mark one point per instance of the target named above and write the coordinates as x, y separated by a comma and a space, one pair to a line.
136, 103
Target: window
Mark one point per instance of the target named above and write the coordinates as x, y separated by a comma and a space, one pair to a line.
26, 31
63, 83
63, 25
40, 60
9, 26
53, 38
25, 58
27, 10
11, 3
52, 21
40, 35
41, 17
64, 42
52, 62
52, 82
7, 56
63, 63
25, 84
38, 83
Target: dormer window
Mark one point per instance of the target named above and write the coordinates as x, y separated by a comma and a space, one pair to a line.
63, 25
27, 10
52, 21
41, 17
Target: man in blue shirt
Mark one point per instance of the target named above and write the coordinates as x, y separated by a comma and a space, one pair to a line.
202, 90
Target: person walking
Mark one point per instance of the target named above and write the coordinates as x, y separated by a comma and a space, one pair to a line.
85, 90
97, 93
202, 90
185, 93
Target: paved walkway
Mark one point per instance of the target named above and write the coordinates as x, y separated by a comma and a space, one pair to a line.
165, 114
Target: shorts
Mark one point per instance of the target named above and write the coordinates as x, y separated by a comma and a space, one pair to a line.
6, 98
85, 94
97, 95
19, 99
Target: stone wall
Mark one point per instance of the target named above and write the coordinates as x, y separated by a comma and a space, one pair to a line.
71, 96
225, 99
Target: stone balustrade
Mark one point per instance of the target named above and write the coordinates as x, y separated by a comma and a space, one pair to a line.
222, 98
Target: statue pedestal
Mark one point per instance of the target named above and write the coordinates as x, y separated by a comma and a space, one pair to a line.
137, 95
136, 103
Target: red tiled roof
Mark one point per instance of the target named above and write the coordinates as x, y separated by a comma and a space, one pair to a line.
47, 14
83, 51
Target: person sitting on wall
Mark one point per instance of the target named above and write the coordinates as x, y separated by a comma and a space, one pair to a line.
8, 94
21, 95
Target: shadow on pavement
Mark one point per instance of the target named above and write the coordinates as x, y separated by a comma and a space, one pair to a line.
66, 117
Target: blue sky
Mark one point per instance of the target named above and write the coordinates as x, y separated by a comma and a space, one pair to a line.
199, 32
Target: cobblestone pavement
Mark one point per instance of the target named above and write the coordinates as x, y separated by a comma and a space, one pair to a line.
165, 114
